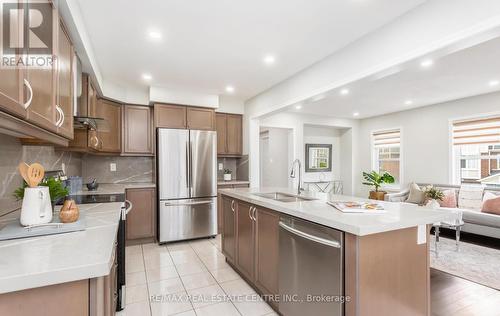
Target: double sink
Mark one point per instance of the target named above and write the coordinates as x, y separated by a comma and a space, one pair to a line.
283, 197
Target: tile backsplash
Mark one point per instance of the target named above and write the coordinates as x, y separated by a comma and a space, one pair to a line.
238, 167
13, 152
128, 169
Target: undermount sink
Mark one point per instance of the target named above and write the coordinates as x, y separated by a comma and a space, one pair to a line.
283, 197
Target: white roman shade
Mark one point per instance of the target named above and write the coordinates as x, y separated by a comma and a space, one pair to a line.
387, 138
478, 131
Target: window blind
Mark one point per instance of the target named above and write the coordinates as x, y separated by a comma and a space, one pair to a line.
478, 131
387, 138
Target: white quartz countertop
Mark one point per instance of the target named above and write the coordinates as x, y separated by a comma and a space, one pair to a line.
116, 188
398, 216
45, 260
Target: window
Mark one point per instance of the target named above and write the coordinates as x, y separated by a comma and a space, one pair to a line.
476, 151
386, 153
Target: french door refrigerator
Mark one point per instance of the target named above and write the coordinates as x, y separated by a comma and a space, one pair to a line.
187, 184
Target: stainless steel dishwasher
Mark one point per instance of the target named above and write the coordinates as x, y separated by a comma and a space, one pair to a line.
311, 271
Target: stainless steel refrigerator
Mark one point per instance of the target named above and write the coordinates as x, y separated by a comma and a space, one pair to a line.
187, 184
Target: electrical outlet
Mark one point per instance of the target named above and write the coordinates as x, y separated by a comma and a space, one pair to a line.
112, 167
221, 166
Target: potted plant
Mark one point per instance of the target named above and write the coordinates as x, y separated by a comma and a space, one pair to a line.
432, 196
227, 174
57, 190
376, 180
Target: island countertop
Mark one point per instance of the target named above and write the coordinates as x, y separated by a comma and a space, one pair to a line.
46, 260
398, 215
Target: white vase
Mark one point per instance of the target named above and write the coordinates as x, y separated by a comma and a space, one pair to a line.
227, 177
434, 204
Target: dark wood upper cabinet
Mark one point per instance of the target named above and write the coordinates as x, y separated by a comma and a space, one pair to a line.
170, 116
229, 134
229, 207
42, 83
109, 141
200, 118
234, 134
267, 250
221, 128
137, 130
12, 87
141, 220
245, 236
64, 95
91, 100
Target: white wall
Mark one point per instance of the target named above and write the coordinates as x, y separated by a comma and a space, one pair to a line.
297, 122
324, 135
425, 137
230, 104
274, 144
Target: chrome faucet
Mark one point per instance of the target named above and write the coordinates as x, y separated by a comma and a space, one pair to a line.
292, 174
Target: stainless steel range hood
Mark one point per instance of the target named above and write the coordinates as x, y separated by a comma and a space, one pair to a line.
80, 115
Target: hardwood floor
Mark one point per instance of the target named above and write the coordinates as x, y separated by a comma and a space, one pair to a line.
451, 295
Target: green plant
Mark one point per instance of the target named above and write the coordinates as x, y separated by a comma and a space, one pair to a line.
227, 171
56, 189
376, 179
433, 193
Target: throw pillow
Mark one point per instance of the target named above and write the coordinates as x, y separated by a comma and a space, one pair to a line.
492, 206
416, 196
470, 197
488, 196
449, 199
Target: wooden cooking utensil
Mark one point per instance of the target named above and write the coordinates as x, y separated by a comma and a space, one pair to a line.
35, 174
23, 170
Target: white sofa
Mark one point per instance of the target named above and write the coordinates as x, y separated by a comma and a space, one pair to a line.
476, 222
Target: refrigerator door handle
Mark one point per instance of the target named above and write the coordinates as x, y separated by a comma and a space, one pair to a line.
187, 203
188, 184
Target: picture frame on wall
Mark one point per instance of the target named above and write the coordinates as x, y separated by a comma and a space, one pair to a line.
318, 157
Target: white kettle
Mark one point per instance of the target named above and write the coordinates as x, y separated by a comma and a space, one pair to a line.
36, 208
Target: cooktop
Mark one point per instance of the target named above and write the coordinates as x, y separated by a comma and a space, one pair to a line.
96, 198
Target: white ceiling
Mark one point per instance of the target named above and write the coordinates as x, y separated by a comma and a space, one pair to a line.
207, 45
453, 76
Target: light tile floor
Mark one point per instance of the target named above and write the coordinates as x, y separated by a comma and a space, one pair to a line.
186, 279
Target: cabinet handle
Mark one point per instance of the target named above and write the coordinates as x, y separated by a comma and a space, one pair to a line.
96, 141
254, 214
30, 98
60, 121
250, 210
232, 205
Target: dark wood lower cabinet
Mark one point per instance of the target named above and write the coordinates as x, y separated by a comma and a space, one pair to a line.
245, 236
141, 220
266, 250
70, 298
229, 228
255, 254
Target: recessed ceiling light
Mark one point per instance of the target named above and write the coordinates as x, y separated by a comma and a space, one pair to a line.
344, 91
427, 63
147, 77
355, 114
154, 35
298, 107
494, 83
230, 89
269, 59
408, 102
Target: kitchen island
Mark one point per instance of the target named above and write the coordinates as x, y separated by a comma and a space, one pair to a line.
64, 274
377, 264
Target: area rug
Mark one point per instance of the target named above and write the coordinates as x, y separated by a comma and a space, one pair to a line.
472, 262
